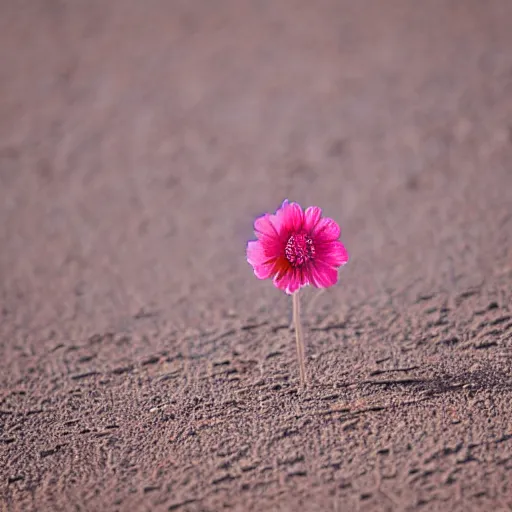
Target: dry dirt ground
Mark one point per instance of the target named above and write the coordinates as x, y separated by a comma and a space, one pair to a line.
142, 366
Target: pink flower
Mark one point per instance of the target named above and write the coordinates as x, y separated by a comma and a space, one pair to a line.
297, 248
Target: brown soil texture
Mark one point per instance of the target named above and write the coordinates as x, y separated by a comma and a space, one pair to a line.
143, 366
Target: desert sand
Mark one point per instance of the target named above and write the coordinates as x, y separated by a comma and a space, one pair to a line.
143, 366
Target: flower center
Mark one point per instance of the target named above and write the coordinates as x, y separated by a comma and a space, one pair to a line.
299, 249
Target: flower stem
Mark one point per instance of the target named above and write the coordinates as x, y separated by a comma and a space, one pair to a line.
299, 339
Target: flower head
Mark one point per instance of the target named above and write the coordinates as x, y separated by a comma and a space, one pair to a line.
297, 248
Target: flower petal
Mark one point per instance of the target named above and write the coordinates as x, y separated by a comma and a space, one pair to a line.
291, 281
326, 230
293, 217
277, 219
265, 271
282, 279
256, 253
322, 275
311, 217
263, 226
266, 263
284, 203
333, 254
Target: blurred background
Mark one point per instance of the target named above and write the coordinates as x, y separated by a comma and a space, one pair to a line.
139, 140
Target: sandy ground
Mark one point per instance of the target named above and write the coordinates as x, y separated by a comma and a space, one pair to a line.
143, 366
